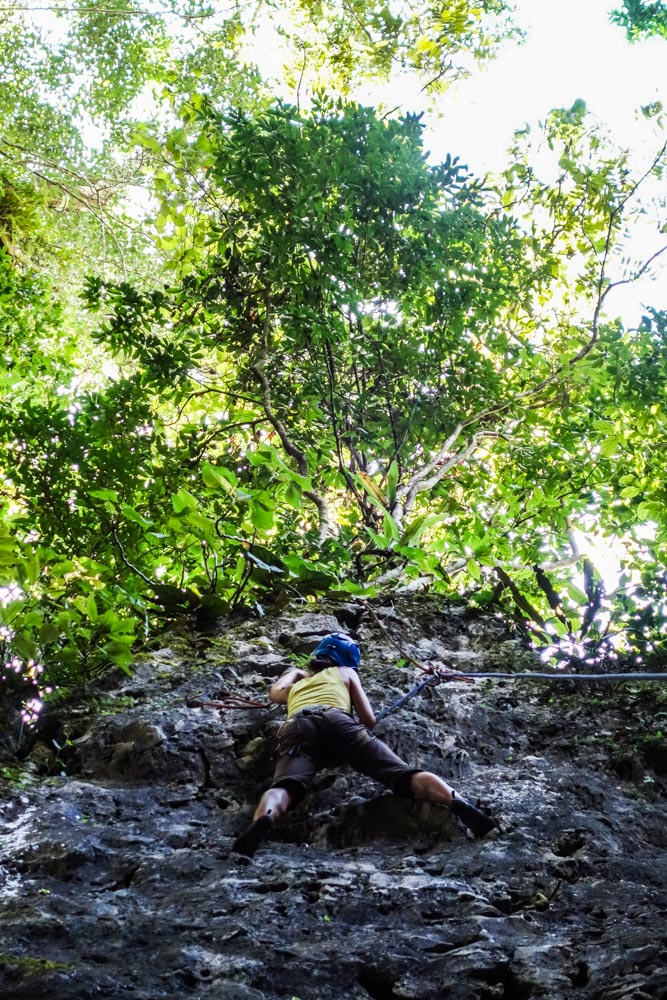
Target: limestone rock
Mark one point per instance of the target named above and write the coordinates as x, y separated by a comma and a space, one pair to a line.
304, 633
117, 877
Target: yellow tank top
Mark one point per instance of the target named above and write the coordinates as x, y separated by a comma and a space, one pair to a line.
324, 688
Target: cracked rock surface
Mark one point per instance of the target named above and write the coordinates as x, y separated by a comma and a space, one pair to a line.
117, 877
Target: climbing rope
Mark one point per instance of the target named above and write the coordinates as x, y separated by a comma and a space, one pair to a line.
406, 697
453, 675
632, 676
236, 701
530, 676
230, 701
439, 677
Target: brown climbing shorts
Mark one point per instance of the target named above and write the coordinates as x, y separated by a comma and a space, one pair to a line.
320, 738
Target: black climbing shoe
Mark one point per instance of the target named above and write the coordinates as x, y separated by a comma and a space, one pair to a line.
477, 820
249, 841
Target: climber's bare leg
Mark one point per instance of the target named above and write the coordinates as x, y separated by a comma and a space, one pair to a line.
426, 785
274, 803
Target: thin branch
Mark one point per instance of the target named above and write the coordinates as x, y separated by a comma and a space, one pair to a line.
602, 294
327, 524
82, 198
385, 380
439, 456
130, 566
360, 24
258, 370
115, 12
423, 486
303, 70
640, 180
331, 378
439, 76
642, 270
105, 219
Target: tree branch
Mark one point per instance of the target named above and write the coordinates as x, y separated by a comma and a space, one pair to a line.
130, 566
327, 524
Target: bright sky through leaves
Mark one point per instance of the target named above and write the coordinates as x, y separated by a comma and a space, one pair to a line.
571, 51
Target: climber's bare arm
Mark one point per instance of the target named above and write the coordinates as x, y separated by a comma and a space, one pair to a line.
282, 687
359, 698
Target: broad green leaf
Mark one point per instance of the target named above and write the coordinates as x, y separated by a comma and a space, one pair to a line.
261, 515
48, 633
370, 488
182, 501
91, 608
473, 570
292, 494
133, 515
110, 495
24, 646
413, 530
391, 532
81, 604
392, 482
219, 478
609, 447
261, 564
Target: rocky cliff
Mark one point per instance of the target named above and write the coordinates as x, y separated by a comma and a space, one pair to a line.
117, 877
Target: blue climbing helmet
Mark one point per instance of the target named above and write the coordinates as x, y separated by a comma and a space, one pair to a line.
341, 648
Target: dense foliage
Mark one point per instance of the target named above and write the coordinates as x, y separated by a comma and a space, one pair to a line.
324, 365
641, 19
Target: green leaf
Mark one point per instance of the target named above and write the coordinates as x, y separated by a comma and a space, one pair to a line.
119, 654
81, 604
268, 567
133, 515
391, 532
609, 447
261, 514
380, 541
473, 570
413, 530
370, 488
650, 510
24, 646
392, 482
29, 569
292, 494
183, 501
110, 495
219, 478
48, 633
262, 456
91, 608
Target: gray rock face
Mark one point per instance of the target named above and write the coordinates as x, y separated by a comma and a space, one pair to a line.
117, 879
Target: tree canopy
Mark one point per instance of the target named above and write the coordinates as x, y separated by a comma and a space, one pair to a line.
259, 349
641, 19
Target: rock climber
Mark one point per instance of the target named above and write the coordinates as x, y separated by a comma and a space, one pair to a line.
320, 731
